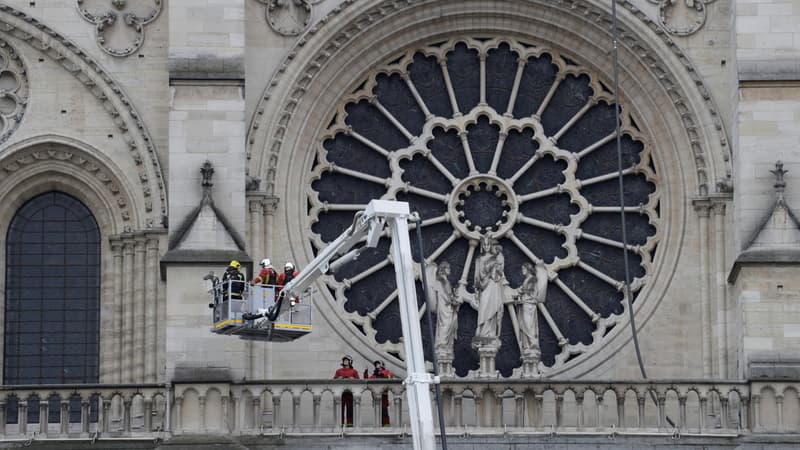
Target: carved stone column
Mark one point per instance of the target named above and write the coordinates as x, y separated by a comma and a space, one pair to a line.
117, 331
269, 206
721, 287
151, 310
702, 209
127, 307
138, 308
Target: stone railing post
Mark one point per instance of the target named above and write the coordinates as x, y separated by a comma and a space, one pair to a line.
84, 415
317, 399
126, 418
519, 410
640, 402
724, 412
179, 414
148, 414
703, 411
599, 397
579, 395
22, 416
662, 409
257, 412
559, 409
620, 398
458, 410
682, 405
779, 404
398, 410
105, 406
202, 401
3, 418
64, 416
356, 410
295, 410
756, 412
44, 410
276, 410
338, 419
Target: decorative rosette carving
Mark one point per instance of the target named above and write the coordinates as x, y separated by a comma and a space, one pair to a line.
289, 17
120, 23
682, 17
13, 90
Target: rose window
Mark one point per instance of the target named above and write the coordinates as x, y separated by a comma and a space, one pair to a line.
496, 140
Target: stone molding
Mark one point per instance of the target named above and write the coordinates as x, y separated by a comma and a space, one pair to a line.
83, 161
111, 95
335, 38
118, 13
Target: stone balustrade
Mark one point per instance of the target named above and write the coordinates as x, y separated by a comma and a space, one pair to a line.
471, 407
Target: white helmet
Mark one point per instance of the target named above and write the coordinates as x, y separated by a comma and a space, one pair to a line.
266, 263
288, 266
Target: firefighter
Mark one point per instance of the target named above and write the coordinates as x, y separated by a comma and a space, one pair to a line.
288, 274
347, 371
380, 371
233, 281
267, 275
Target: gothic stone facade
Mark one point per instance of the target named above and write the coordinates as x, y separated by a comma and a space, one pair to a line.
492, 118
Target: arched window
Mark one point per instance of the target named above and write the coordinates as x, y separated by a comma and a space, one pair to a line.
52, 309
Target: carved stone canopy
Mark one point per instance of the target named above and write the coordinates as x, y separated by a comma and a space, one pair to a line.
777, 238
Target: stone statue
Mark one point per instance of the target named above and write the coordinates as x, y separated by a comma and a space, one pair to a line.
445, 304
529, 296
490, 284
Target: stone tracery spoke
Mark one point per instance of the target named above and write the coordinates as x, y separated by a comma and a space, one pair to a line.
382, 151
596, 145
575, 298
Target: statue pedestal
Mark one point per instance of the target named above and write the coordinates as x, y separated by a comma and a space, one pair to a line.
445, 360
487, 351
530, 364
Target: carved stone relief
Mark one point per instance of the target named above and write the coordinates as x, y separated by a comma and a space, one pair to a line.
682, 17
289, 17
120, 23
13, 90
506, 149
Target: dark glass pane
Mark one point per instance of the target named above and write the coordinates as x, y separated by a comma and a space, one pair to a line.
52, 296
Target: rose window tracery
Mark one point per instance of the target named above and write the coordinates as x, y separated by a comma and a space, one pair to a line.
13, 90
496, 141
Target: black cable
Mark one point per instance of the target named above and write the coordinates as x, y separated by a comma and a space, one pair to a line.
430, 333
628, 292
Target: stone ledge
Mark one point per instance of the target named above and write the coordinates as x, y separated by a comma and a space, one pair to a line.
206, 68
769, 70
774, 366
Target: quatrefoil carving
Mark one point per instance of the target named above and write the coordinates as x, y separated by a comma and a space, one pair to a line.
682, 17
120, 23
289, 17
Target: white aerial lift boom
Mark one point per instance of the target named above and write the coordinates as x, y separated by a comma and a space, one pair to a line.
367, 224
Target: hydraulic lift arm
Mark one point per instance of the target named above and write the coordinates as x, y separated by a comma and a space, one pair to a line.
370, 224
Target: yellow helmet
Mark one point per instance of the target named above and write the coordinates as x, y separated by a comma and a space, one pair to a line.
235, 264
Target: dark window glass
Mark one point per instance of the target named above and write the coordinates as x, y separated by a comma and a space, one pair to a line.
52, 294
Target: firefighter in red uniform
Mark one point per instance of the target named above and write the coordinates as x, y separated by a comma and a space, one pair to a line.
288, 274
382, 372
285, 277
347, 371
267, 275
